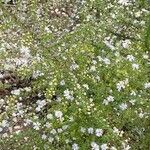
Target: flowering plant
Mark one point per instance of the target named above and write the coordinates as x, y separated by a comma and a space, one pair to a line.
74, 75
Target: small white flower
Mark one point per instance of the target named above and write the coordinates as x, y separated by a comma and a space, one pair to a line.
68, 94
141, 115
123, 2
53, 131
47, 30
110, 98
4, 123
93, 68
6, 1
126, 43
120, 85
86, 86
94, 146
108, 44
1, 129
49, 116
16, 92
130, 58
123, 106
75, 146
25, 51
138, 14
115, 130
106, 61
62, 82
145, 56
83, 130
90, 130
27, 89
44, 136
38, 109
147, 85
58, 114
59, 130
113, 148
1, 76
125, 146
105, 102
99, 132
36, 125
135, 66
74, 66
100, 58
50, 139
48, 125
104, 147
64, 127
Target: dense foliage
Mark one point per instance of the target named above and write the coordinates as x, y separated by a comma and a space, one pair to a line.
74, 74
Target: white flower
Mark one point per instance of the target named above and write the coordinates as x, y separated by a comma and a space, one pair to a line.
6, 1
105, 102
130, 58
75, 146
93, 68
104, 147
138, 14
41, 104
125, 146
47, 30
99, 58
106, 61
49, 116
44, 136
99, 132
64, 127
126, 43
1, 76
113, 148
4, 123
86, 86
53, 131
1, 129
115, 130
36, 125
59, 130
90, 130
48, 125
108, 44
74, 66
145, 56
82, 130
58, 114
27, 89
123, 2
62, 82
120, 85
141, 114
16, 92
110, 98
2, 102
123, 106
147, 85
135, 66
50, 139
68, 94
25, 51
94, 146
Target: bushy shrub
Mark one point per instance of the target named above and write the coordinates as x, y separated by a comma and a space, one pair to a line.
74, 75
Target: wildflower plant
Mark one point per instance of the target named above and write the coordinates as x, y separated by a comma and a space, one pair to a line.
74, 74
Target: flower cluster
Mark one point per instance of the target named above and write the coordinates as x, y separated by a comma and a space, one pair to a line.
74, 75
